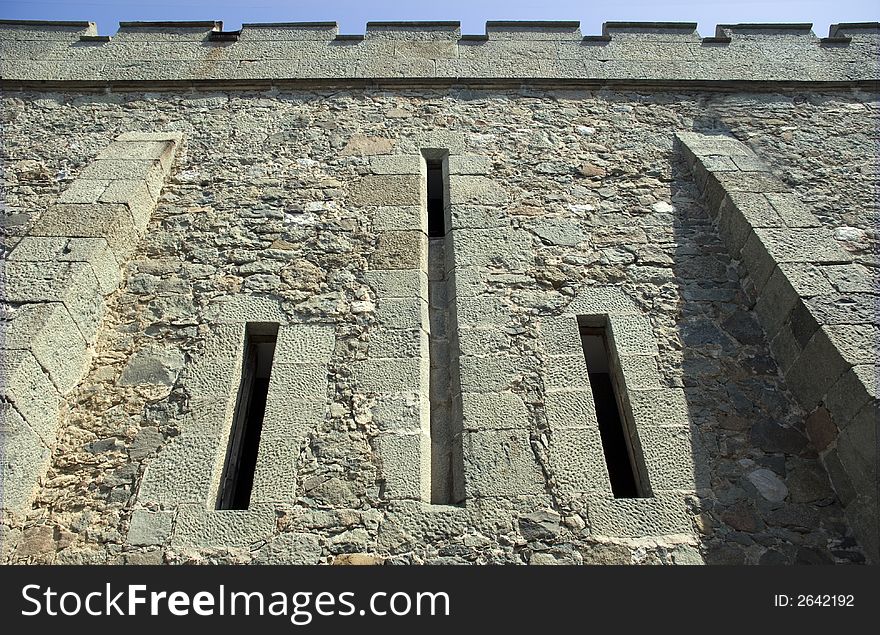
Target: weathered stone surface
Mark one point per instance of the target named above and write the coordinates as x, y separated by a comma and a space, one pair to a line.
49, 333
386, 190
149, 528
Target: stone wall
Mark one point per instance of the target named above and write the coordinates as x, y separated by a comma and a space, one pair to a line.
200, 53
287, 200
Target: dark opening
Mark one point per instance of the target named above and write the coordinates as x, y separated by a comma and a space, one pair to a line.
247, 424
616, 442
436, 199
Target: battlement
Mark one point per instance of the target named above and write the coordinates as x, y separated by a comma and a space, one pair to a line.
40, 52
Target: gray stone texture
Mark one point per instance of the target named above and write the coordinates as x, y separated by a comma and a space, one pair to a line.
819, 309
257, 223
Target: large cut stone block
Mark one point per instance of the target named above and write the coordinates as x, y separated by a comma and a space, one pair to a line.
566, 372
141, 200
48, 331
638, 517
24, 384
631, 335
304, 343
491, 411
401, 250
817, 369
398, 283
490, 374
113, 223
663, 407
673, 458
570, 408
500, 463
852, 391
163, 151
72, 283
387, 189
475, 190
391, 375
741, 212
124, 169
577, 460
223, 529
93, 251
23, 460
405, 465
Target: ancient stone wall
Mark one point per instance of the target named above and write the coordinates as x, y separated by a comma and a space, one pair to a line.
305, 207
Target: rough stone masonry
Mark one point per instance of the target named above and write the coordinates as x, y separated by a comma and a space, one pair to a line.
460, 250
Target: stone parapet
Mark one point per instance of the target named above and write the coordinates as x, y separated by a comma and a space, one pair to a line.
71, 54
53, 286
817, 307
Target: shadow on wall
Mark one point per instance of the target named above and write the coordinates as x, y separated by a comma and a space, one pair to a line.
770, 500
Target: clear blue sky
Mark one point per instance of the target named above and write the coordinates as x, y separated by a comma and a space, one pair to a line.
352, 15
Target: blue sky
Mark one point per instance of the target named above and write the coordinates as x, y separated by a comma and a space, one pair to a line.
352, 15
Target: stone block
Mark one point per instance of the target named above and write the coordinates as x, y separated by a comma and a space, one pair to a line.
298, 343
481, 312
445, 140
398, 343
490, 374
570, 409
850, 278
469, 164
155, 366
72, 283
561, 335
817, 369
163, 151
604, 300
403, 313
791, 210
402, 413
807, 245
197, 527
93, 251
400, 218
785, 348
856, 387
639, 372
852, 308
664, 514
806, 279
23, 459
386, 189
149, 528
776, 302
740, 212
577, 460
663, 407
857, 343
291, 548
113, 223
396, 164
391, 375
141, 201
299, 381
239, 309
490, 411
631, 335
475, 190
123, 169
405, 465
51, 335
858, 450
27, 387
566, 372
673, 458
187, 468
482, 341
83, 191
362, 145
398, 283
400, 250
500, 463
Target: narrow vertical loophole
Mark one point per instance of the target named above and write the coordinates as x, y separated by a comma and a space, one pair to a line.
447, 468
436, 199
247, 424
617, 443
